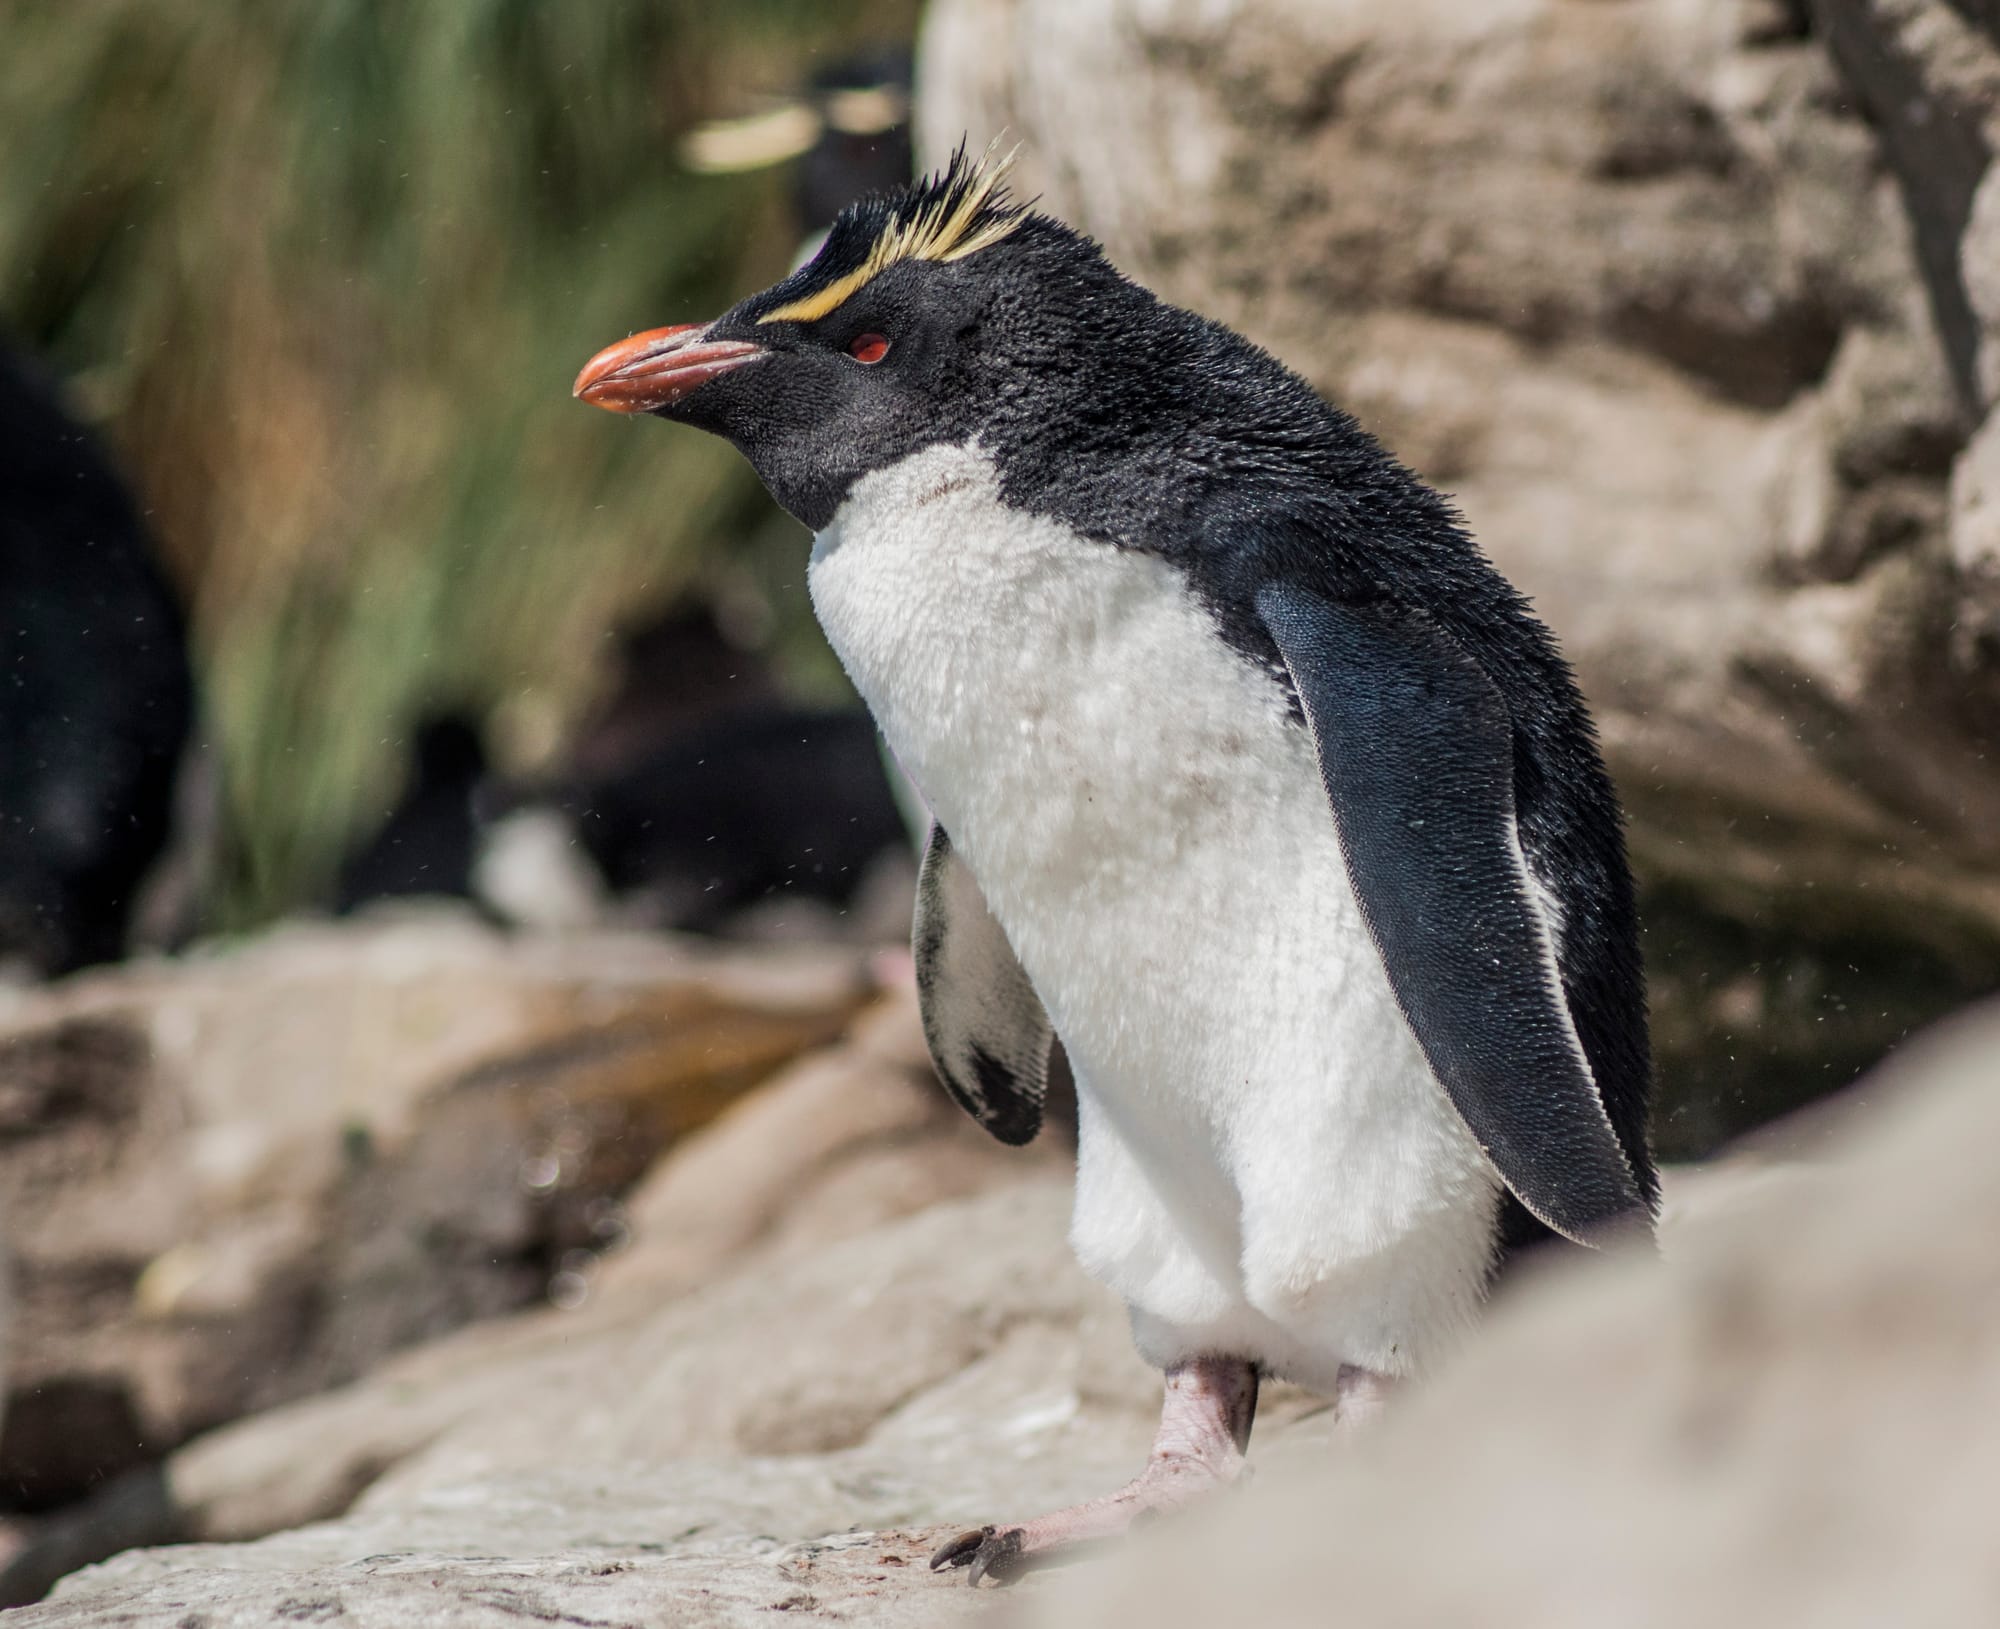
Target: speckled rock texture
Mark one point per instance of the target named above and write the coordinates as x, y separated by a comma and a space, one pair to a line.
788, 1440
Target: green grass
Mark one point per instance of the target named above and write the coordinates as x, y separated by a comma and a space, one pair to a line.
324, 270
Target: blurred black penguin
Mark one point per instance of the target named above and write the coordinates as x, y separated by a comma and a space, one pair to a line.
761, 801
669, 816
426, 840
96, 698
1253, 779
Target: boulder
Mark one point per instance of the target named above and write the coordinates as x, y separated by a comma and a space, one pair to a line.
778, 1356
1927, 72
1654, 293
241, 1177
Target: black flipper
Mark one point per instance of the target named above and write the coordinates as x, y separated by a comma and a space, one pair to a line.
1416, 749
985, 1026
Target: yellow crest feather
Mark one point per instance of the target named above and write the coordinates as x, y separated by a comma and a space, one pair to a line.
946, 225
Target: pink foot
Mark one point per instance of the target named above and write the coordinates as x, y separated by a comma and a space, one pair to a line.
1204, 1429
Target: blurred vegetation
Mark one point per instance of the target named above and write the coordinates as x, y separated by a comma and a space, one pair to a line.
324, 270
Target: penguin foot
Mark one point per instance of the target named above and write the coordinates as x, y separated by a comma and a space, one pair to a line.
983, 1551
1204, 1429
1003, 1554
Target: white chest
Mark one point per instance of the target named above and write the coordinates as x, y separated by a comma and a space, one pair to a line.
1266, 1163
1145, 821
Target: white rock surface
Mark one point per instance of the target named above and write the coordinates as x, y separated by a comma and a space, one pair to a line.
690, 1466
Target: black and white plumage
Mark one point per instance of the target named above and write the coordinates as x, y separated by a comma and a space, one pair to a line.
750, 803
1263, 789
988, 1033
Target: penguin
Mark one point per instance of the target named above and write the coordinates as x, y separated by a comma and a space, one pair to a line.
848, 134
1252, 778
760, 802
98, 710
426, 842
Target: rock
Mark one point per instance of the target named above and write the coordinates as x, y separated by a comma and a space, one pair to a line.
1789, 1421
237, 1178
1552, 171
778, 1358
1975, 539
1795, 1420
1975, 500
700, 1461
696, 1545
1635, 284
847, 1138
1929, 76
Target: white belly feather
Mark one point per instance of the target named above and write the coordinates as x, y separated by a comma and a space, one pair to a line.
1266, 1166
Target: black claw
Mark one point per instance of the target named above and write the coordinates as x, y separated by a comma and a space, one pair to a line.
959, 1551
984, 1553
998, 1557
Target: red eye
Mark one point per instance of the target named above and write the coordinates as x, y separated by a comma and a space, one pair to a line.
869, 348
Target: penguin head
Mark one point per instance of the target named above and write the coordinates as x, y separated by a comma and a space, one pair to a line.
935, 314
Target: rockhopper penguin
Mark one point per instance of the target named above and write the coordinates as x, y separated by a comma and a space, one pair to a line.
1253, 780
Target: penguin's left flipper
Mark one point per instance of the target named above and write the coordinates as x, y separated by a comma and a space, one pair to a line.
1416, 750
984, 1024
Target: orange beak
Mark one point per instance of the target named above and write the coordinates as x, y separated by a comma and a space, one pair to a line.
657, 368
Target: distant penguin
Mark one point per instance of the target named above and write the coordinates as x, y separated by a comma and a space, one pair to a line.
863, 146
670, 672
848, 135
761, 803
426, 840
675, 820
96, 695
1252, 779
755, 802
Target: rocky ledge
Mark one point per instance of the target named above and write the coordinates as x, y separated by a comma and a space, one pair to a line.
842, 1327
